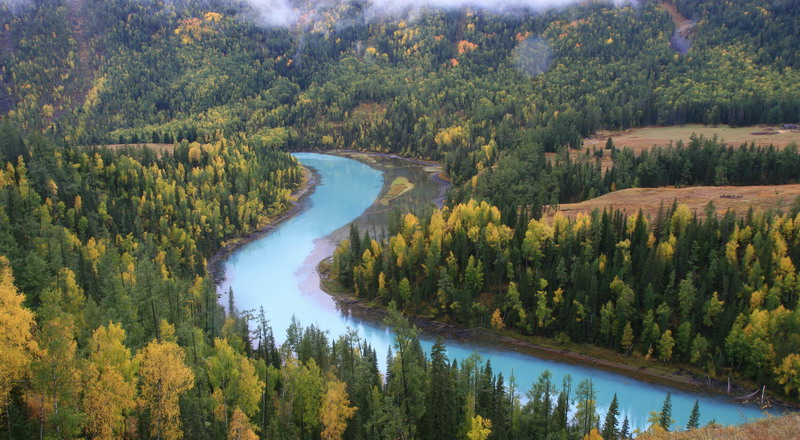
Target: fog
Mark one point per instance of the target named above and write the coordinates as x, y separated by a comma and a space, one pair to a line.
286, 13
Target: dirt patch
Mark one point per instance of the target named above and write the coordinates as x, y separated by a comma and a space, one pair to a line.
367, 111
649, 200
645, 138
640, 139
682, 24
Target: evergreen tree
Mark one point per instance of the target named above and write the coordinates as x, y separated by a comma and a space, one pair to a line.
440, 416
665, 419
624, 432
610, 425
694, 419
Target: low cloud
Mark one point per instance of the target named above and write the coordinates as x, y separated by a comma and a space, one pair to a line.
287, 12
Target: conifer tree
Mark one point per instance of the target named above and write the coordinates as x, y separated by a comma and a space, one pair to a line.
610, 425
665, 419
694, 419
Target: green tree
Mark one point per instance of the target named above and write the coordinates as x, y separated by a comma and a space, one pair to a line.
665, 416
694, 418
610, 425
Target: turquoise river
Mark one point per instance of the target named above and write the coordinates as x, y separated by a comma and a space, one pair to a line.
278, 272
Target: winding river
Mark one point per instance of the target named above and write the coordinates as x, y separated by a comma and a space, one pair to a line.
277, 272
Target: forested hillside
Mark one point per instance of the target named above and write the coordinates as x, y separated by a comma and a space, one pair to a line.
451, 84
110, 322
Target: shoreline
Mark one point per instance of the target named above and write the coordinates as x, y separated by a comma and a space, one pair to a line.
678, 378
300, 195
443, 182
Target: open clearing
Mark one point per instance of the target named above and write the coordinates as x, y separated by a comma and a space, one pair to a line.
641, 139
400, 186
737, 198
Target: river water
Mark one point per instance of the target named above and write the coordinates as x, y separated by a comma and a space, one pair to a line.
277, 272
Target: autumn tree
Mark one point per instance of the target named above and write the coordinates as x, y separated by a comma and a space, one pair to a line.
163, 377
335, 410
234, 381
240, 427
110, 383
789, 373
17, 345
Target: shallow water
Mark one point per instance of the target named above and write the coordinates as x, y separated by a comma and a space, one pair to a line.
277, 272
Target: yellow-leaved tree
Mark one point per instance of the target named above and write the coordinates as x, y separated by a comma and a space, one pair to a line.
240, 427
480, 428
16, 338
336, 409
110, 392
164, 377
235, 382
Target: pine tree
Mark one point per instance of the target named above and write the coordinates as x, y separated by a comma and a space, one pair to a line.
610, 425
694, 419
440, 415
624, 432
666, 413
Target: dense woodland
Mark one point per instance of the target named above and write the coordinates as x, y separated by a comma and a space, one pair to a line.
721, 293
110, 325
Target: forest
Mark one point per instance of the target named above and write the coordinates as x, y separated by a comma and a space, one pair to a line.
112, 326
110, 321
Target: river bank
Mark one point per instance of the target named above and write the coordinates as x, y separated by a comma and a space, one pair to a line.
435, 169
578, 354
277, 274
214, 265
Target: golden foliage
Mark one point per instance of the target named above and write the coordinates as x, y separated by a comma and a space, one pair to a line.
164, 377
593, 435
789, 373
335, 410
240, 427
111, 388
497, 320
480, 428
466, 46
16, 340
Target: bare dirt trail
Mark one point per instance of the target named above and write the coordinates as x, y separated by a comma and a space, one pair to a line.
7, 92
76, 12
682, 24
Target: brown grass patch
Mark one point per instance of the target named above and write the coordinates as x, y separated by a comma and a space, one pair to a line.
399, 186
645, 138
367, 111
640, 139
736, 198
778, 428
